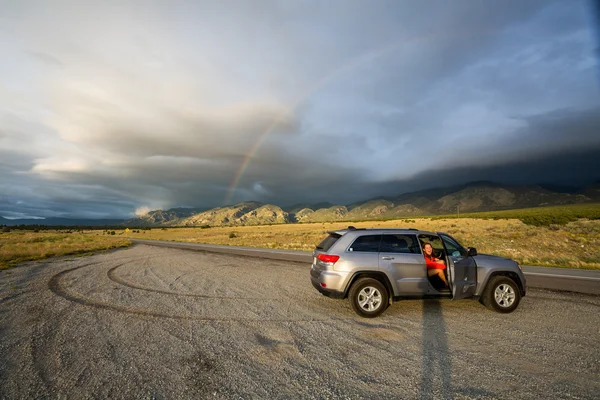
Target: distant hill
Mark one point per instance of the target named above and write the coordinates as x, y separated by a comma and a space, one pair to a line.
160, 217
473, 197
293, 209
592, 192
247, 213
334, 213
483, 198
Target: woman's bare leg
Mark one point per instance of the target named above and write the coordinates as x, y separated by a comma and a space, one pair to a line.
442, 276
439, 273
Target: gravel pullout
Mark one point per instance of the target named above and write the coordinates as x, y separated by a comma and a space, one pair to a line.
152, 322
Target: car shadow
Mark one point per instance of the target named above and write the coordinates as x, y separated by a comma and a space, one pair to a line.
436, 365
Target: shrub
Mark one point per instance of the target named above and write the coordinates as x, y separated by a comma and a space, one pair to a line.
6, 229
232, 235
546, 220
205, 227
113, 233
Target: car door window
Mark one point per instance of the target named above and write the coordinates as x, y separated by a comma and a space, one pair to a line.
400, 244
366, 243
434, 241
454, 249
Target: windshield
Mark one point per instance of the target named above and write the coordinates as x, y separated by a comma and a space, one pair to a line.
454, 248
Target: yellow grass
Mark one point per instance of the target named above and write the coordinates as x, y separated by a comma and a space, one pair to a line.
19, 246
575, 245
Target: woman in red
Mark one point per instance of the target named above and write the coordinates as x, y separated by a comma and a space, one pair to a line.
435, 266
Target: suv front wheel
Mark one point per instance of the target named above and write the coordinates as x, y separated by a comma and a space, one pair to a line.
368, 297
501, 294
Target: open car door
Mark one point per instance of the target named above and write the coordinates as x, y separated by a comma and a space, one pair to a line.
462, 269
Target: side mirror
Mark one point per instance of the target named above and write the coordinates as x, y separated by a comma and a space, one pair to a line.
472, 252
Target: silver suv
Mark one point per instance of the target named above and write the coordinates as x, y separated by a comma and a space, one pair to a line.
373, 267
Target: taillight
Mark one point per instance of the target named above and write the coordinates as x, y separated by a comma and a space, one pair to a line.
328, 258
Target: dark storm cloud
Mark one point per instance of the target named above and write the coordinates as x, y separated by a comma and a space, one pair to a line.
549, 135
108, 108
560, 147
570, 169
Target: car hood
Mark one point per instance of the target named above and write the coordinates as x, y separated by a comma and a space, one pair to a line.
486, 260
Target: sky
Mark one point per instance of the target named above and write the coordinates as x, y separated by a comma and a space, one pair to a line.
114, 108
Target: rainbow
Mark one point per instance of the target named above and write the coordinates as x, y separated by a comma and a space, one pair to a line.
352, 64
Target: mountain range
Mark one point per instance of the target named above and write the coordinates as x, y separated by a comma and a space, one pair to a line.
473, 197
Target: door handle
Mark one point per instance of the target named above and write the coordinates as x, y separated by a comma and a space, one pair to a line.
387, 258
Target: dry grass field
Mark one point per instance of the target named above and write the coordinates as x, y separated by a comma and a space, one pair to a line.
574, 245
18, 246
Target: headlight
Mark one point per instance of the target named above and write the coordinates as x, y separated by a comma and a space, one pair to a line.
519, 265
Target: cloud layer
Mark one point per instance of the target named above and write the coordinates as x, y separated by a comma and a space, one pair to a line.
113, 108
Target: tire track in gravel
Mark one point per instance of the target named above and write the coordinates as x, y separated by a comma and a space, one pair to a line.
11, 297
55, 285
48, 331
117, 279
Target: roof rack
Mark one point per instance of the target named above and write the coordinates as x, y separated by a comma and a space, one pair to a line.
352, 228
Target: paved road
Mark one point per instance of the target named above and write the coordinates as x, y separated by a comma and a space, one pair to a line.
154, 322
564, 279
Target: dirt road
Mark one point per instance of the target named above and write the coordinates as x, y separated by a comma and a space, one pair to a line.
151, 322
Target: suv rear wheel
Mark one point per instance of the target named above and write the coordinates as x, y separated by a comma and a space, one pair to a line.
501, 294
368, 297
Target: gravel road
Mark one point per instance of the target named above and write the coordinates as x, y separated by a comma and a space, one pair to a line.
160, 323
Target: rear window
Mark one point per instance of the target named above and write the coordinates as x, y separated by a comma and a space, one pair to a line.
366, 243
329, 241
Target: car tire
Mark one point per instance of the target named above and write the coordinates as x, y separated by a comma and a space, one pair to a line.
368, 297
501, 294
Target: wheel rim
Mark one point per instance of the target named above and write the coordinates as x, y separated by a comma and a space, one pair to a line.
369, 298
505, 295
